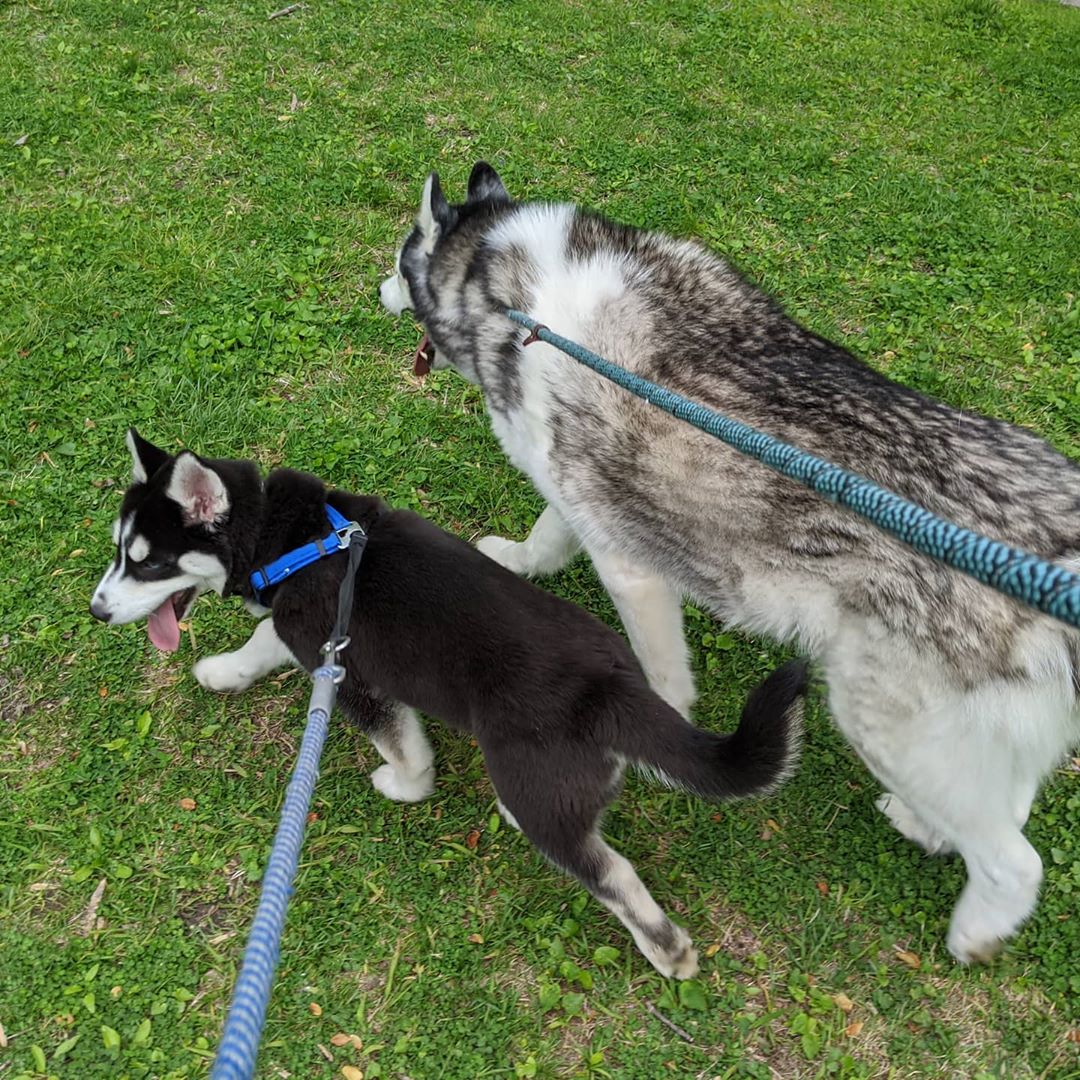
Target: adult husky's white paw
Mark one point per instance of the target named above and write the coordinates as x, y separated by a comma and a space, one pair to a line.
506, 553
389, 782
909, 825
221, 674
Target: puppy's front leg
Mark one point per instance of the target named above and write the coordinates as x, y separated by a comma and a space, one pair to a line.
232, 672
409, 772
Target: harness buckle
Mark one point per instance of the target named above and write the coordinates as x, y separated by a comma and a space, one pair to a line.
345, 533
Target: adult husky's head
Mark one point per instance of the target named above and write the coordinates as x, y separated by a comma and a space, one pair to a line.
436, 220
169, 543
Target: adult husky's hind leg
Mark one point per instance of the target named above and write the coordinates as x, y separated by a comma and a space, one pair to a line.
959, 784
550, 545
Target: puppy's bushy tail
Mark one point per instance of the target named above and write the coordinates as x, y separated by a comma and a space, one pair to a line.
754, 759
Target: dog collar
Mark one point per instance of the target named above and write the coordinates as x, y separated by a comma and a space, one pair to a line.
337, 540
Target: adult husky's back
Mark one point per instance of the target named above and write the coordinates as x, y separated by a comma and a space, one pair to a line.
682, 317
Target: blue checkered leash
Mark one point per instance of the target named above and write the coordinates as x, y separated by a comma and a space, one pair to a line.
1051, 589
239, 1046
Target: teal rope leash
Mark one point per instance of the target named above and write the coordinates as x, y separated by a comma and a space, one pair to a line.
1051, 589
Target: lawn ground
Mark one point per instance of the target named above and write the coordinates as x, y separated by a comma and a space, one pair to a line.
198, 204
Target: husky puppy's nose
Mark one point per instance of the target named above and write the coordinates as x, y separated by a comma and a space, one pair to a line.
99, 611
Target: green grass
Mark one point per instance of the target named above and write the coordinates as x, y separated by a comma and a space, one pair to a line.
198, 204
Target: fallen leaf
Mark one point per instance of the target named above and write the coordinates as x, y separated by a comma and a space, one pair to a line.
312, 816
325, 1053
823, 887
351, 1072
357, 1042
1070, 1036
477, 939
712, 950
853, 1029
472, 839
21, 140
3, 1038
77, 552
772, 825
187, 804
116, 991
314, 1008
89, 917
103, 692
340, 1039
89, 424
843, 1002
909, 958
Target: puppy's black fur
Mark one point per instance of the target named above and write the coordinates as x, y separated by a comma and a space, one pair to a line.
555, 699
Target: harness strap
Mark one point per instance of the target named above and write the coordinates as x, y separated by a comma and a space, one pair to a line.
340, 636
288, 564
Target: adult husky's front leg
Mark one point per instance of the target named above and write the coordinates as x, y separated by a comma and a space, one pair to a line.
232, 672
550, 545
651, 612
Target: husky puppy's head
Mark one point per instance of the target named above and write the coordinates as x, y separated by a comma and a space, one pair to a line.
167, 546
407, 287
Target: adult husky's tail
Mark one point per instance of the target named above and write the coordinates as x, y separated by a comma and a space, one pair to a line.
753, 760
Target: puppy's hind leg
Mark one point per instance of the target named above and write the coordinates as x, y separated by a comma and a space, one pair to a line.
557, 805
409, 772
229, 673
550, 545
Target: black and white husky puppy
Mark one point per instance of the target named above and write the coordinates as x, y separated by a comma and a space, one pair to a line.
958, 700
555, 699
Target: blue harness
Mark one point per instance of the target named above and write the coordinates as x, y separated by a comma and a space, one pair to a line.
339, 539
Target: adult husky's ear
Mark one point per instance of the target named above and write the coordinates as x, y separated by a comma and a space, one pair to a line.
146, 458
199, 490
486, 185
435, 215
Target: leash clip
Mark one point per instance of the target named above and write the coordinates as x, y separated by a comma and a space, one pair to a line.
534, 334
330, 652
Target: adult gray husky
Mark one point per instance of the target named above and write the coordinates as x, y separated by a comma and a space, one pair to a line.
957, 699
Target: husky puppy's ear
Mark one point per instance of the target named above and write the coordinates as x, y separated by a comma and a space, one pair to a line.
146, 458
485, 184
199, 490
435, 215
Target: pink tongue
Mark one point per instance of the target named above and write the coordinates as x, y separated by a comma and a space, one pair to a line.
163, 629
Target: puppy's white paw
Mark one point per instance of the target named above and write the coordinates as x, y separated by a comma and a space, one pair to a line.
506, 553
389, 782
678, 962
221, 674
